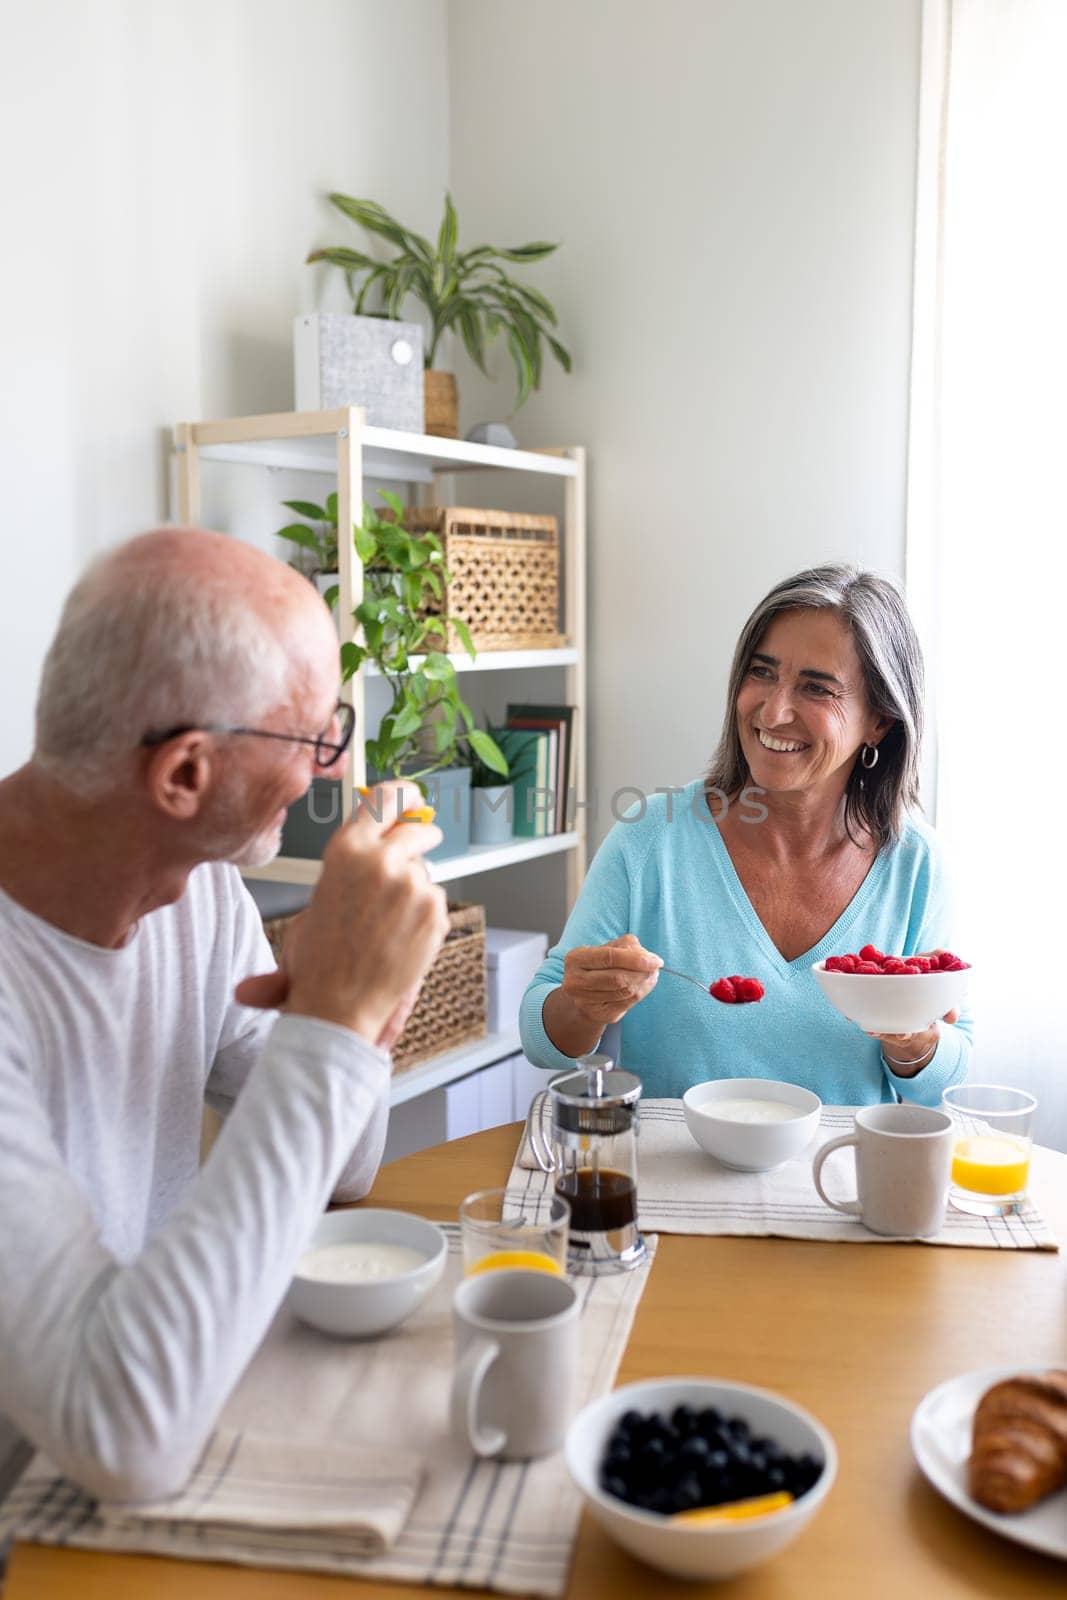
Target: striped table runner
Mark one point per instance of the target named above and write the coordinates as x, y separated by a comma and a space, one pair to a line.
479, 1524
681, 1189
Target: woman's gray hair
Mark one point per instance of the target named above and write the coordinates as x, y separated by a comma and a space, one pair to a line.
873, 610
139, 651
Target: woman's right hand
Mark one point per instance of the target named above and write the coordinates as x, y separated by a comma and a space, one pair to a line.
604, 981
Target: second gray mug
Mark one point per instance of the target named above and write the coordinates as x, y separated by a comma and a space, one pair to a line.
903, 1161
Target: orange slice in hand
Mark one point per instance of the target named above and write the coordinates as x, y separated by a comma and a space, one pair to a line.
413, 814
736, 1510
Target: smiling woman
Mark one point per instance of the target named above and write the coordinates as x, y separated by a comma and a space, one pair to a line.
802, 838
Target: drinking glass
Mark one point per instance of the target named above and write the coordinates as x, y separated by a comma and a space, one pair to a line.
991, 1155
501, 1230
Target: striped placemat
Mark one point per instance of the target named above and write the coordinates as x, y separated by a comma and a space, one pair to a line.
681, 1189
508, 1526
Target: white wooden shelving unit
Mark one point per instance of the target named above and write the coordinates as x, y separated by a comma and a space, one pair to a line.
339, 442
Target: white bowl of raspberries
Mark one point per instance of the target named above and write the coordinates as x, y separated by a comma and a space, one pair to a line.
893, 994
697, 1476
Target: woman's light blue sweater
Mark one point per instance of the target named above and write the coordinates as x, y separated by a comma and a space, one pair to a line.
666, 876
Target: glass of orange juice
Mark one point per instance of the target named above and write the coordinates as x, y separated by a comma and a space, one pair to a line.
504, 1229
991, 1155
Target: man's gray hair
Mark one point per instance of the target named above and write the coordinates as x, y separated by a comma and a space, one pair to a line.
143, 650
874, 611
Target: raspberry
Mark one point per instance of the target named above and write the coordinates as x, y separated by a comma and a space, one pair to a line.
735, 978
871, 961
723, 989
748, 989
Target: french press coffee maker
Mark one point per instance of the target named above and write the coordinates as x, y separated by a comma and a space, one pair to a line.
592, 1154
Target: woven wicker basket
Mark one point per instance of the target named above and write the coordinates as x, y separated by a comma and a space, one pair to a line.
452, 1007
504, 580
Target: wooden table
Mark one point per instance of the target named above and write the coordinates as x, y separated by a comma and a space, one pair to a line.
855, 1333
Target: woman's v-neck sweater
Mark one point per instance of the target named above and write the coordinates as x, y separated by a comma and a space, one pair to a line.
667, 877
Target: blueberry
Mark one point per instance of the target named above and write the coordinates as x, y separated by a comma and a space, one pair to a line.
649, 1461
757, 1460
776, 1478
661, 1500
629, 1421
718, 1460
684, 1420
688, 1494
806, 1473
694, 1451
737, 1427
715, 1488
619, 1457
616, 1486
709, 1419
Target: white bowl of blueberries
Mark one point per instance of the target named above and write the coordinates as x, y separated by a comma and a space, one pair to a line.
699, 1477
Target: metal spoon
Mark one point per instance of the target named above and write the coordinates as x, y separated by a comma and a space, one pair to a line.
676, 974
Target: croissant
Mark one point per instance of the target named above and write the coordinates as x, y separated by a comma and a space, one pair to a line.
1019, 1447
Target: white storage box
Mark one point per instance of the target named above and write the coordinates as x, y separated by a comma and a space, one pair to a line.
512, 956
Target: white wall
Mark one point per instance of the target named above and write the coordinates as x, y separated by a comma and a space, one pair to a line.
733, 183
165, 166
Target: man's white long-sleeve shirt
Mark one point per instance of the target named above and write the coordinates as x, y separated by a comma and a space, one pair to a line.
134, 1286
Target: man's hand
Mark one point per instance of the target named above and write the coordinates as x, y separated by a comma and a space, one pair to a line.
358, 955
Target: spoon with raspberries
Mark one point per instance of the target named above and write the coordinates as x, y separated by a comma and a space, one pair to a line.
732, 991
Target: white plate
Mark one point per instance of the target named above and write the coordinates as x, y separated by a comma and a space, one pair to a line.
941, 1440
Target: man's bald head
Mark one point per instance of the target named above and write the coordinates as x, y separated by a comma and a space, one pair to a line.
177, 626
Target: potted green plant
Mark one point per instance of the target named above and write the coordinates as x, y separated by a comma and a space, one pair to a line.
493, 801
463, 291
428, 728
320, 541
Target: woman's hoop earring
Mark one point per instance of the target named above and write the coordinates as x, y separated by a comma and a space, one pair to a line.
869, 750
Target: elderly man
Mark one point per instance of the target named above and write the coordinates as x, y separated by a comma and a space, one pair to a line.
189, 697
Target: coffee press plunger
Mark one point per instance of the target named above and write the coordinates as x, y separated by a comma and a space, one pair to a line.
592, 1155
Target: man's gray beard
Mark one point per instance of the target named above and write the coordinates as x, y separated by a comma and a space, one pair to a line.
229, 840
257, 851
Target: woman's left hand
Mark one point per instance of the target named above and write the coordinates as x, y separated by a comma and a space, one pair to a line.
904, 1050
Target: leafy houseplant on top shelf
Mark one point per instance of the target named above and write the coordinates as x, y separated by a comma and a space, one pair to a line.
464, 291
428, 728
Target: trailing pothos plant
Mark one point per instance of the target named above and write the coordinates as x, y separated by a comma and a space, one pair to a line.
465, 291
428, 725
320, 541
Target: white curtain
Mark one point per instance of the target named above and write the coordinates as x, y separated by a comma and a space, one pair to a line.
987, 512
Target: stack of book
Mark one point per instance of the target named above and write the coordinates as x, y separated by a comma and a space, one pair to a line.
539, 741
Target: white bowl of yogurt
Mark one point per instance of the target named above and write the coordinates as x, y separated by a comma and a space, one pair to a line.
751, 1124
362, 1272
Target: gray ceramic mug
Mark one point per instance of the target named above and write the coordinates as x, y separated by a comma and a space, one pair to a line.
903, 1161
516, 1362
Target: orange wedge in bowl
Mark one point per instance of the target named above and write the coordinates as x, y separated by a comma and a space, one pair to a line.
736, 1510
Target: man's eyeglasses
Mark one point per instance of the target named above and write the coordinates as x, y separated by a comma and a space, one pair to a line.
328, 748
